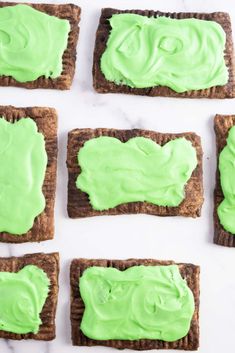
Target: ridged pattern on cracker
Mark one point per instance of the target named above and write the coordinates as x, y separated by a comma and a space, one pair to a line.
49, 263
46, 120
78, 201
188, 271
102, 85
222, 125
64, 81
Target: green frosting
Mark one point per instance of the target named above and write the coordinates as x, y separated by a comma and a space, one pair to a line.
226, 210
113, 172
23, 161
32, 43
22, 296
142, 302
184, 55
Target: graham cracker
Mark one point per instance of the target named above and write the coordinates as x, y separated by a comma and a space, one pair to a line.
222, 125
49, 263
71, 13
46, 120
102, 85
188, 271
78, 201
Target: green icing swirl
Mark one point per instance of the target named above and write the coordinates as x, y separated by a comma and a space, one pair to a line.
113, 173
22, 297
142, 302
226, 210
23, 161
184, 55
32, 43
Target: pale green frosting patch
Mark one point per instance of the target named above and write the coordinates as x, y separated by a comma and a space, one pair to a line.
113, 173
142, 302
22, 297
32, 43
185, 54
23, 161
226, 210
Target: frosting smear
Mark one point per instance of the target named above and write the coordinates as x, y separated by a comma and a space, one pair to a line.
142, 302
182, 54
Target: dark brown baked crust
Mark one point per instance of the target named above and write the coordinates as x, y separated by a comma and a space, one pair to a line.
49, 263
78, 201
101, 85
46, 120
71, 13
188, 271
222, 125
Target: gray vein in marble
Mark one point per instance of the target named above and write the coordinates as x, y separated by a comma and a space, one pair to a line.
47, 347
10, 250
91, 95
9, 346
184, 5
133, 123
98, 103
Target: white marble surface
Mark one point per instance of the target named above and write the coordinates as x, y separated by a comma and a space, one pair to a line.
181, 239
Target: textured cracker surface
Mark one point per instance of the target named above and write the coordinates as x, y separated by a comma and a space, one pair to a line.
222, 125
49, 263
78, 201
69, 12
46, 120
101, 85
188, 271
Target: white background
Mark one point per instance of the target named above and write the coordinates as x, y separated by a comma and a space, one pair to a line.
141, 236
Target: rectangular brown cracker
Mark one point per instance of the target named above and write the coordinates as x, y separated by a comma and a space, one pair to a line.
222, 125
78, 202
46, 120
49, 263
64, 81
188, 271
102, 85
